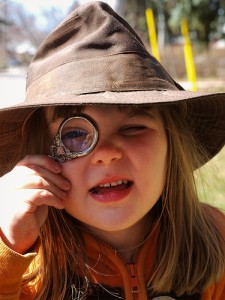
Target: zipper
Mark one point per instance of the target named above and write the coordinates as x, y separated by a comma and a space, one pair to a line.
132, 271
134, 283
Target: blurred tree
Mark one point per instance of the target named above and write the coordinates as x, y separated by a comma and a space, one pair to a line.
26, 31
202, 16
134, 13
22, 36
221, 21
3, 26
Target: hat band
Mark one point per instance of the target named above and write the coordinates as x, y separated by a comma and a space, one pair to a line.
121, 72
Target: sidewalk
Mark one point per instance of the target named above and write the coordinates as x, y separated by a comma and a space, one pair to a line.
12, 86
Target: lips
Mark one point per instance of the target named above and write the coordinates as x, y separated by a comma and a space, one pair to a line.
113, 186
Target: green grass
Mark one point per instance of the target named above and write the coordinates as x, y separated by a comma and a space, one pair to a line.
210, 180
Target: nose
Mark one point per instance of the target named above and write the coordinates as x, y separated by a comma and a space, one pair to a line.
106, 153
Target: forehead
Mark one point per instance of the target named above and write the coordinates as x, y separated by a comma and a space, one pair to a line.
54, 113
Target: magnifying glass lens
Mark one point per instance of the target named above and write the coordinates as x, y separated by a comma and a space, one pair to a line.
77, 134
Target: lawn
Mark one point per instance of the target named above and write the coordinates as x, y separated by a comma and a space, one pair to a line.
212, 177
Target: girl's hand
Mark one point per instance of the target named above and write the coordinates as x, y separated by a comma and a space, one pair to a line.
27, 191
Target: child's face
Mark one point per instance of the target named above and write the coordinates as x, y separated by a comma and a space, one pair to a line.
117, 184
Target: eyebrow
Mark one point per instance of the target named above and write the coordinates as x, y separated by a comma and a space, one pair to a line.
149, 113
66, 111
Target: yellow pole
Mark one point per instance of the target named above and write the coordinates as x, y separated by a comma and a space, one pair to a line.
152, 33
189, 61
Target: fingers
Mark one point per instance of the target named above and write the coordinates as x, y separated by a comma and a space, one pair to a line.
42, 161
36, 177
38, 172
55, 178
26, 193
28, 200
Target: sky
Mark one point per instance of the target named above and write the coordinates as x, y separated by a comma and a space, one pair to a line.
35, 6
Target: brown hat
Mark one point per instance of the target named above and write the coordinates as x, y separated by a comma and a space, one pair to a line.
95, 57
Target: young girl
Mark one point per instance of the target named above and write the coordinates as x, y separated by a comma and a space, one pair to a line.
98, 198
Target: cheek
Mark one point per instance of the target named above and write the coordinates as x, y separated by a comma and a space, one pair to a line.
158, 157
151, 161
75, 171
152, 149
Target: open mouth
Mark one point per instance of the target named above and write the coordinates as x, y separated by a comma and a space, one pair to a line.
113, 186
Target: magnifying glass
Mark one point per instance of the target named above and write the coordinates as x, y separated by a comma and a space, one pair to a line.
76, 136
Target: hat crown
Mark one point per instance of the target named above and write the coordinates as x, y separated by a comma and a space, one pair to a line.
93, 25
90, 29
101, 49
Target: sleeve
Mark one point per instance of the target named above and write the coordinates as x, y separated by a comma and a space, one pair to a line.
12, 267
217, 290
219, 293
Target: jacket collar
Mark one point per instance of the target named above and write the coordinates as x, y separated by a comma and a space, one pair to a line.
108, 268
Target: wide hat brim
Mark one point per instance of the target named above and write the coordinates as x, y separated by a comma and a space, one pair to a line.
95, 57
205, 111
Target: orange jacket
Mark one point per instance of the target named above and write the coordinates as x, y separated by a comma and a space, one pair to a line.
106, 267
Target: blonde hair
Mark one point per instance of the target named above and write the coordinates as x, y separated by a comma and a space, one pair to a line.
190, 254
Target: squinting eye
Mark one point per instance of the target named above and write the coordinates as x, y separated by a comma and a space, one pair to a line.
132, 129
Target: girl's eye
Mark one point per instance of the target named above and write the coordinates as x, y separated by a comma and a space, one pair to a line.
132, 129
76, 133
76, 140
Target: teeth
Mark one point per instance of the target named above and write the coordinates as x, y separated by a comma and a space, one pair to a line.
114, 183
105, 185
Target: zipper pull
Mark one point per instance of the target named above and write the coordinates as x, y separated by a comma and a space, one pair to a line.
133, 278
